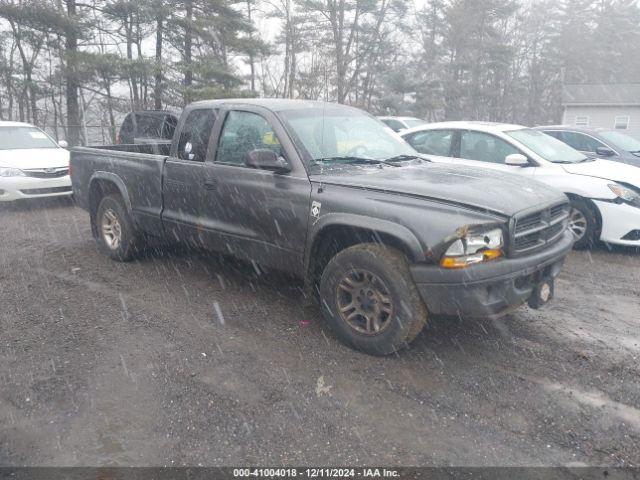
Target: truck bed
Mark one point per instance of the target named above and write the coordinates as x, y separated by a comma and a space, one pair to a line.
139, 176
155, 148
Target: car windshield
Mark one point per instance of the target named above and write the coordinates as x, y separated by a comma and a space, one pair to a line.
621, 140
414, 122
339, 134
547, 147
22, 138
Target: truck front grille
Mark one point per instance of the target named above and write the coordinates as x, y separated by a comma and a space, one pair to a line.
532, 231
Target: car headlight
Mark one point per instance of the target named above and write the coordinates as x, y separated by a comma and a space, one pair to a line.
474, 248
626, 194
11, 172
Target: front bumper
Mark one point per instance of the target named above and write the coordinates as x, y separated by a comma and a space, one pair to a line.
492, 288
16, 188
619, 220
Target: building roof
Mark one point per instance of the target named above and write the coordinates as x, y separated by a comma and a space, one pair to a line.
601, 94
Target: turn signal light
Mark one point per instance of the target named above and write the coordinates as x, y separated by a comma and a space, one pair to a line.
465, 261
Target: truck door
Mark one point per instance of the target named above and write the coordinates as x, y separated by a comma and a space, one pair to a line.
183, 184
256, 214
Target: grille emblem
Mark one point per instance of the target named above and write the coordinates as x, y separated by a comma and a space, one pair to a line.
49, 170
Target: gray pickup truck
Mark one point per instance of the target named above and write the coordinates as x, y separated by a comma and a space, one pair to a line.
381, 236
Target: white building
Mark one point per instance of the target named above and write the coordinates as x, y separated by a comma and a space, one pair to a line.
608, 106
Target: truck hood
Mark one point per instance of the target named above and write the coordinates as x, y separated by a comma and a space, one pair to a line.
34, 158
479, 189
607, 170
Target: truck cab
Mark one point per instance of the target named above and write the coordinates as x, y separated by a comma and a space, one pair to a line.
381, 236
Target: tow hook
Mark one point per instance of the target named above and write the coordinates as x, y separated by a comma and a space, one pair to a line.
542, 293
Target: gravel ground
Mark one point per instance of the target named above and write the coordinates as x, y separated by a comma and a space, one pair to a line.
186, 359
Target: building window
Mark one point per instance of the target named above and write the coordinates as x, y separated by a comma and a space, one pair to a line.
582, 121
621, 122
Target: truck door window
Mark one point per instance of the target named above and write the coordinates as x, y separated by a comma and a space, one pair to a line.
242, 133
432, 142
484, 147
195, 135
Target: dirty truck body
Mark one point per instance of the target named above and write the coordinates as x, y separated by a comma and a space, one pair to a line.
381, 236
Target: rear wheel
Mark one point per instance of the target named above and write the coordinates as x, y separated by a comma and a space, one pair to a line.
583, 223
370, 300
117, 236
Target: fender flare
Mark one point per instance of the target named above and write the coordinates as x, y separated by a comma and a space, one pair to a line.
117, 181
395, 230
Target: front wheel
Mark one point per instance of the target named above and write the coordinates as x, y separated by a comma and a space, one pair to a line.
583, 223
370, 300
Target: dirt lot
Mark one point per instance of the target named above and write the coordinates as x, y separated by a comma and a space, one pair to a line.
180, 358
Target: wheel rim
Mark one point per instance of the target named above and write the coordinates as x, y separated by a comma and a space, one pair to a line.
364, 302
111, 229
578, 223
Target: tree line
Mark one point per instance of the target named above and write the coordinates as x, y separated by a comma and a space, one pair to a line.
64, 63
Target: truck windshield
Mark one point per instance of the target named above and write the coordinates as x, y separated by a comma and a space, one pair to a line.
549, 148
23, 138
338, 134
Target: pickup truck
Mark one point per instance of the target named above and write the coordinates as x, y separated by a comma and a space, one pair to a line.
381, 236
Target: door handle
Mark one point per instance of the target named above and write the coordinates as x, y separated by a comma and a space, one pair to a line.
210, 184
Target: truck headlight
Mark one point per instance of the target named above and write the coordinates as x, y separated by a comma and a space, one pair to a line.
474, 248
626, 194
11, 172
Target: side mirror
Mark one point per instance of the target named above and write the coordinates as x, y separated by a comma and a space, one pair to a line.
266, 159
63, 144
604, 152
516, 160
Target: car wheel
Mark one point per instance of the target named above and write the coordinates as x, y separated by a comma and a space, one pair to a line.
370, 300
583, 223
117, 236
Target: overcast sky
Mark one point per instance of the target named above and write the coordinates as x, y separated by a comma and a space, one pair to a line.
268, 28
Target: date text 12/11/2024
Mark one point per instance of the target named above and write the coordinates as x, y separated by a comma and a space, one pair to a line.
315, 472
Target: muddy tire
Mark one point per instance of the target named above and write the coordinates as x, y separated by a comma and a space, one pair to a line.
370, 300
117, 235
583, 222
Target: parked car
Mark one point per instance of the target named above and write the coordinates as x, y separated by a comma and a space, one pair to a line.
147, 127
32, 164
399, 124
605, 195
326, 193
598, 142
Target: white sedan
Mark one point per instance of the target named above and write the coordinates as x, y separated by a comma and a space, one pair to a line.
605, 195
32, 164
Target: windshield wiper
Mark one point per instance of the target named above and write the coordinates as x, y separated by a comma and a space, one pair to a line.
354, 159
403, 158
